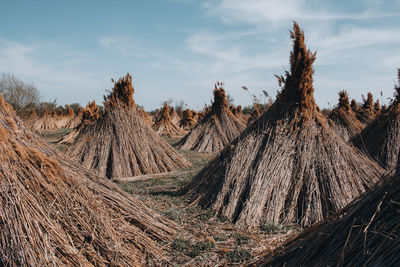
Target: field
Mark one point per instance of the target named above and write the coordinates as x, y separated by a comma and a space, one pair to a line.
283, 185
203, 239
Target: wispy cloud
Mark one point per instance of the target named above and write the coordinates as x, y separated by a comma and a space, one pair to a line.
54, 68
124, 46
260, 11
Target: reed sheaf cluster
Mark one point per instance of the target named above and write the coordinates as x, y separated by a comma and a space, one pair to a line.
49, 120
367, 111
119, 143
165, 125
217, 129
53, 212
345, 123
188, 120
381, 138
289, 166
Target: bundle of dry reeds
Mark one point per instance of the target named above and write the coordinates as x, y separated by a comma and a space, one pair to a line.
366, 113
365, 233
87, 116
255, 114
119, 143
345, 122
238, 112
381, 138
188, 120
47, 121
216, 129
164, 125
289, 166
145, 116
55, 213
174, 116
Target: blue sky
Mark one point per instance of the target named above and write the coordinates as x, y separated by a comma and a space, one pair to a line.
179, 48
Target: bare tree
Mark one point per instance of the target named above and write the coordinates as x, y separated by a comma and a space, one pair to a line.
18, 94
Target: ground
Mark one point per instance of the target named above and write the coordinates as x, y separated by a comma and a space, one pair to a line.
203, 238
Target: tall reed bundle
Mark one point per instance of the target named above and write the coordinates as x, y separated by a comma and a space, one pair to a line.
119, 143
216, 129
345, 122
53, 212
381, 138
289, 166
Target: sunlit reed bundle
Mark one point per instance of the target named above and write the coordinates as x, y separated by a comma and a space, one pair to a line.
119, 143
53, 212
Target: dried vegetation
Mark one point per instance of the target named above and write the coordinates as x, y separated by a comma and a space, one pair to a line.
289, 166
218, 127
381, 138
118, 143
344, 120
53, 212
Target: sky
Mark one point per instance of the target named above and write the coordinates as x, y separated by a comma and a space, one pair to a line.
177, 49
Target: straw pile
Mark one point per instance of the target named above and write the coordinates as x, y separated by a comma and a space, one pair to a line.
89, 116
289, 166
164, 124
63, 120
345, 122
381, 138
255, 114
145, 116
366, 113
55, 213
46, 122
174, 116
50, 120
216, 129
188, 120
238, 112
119, 143
75, 119
365, 233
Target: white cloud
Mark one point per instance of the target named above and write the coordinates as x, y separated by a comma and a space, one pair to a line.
351, 37
274, 11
